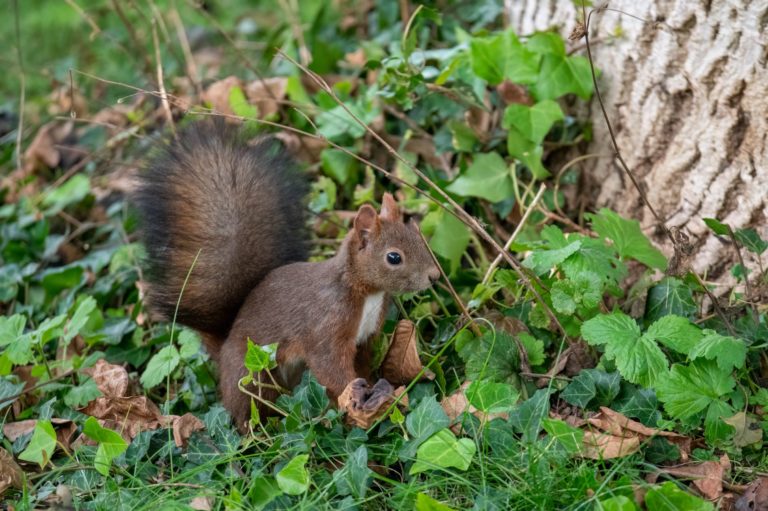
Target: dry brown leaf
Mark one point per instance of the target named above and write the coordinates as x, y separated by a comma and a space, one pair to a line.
707, 476
184, 426
356, 58
401, 363
131, 414
201, 503
112, 380
217, 94
511, 92
599, 445
43, 149
10, 472
364, 418
64, 428
267, 94
755, 497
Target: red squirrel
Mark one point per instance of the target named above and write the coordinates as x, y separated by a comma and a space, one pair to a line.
239, 211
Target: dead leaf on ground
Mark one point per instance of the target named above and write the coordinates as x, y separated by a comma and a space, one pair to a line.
184, 426
267, 94
707, 476
10, 472
201, 503
217, 94
364, 418
755, 497
111, 379
133, 414
44, 149
306, 149
64, 428
748, 430
511, 92
401, 363
604, 446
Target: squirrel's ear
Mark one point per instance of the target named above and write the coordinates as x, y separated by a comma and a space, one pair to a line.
366, 222
389, 209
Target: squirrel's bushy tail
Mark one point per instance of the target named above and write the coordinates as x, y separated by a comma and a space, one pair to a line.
240, 206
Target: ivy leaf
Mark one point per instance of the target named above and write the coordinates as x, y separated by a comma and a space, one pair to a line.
638, 358
337, 124
676, 333
527, 417
670, 296
444, 450
572, 439
533, 122
424, 421
491, 397
717, 226
628, 239
751, 240
160, 366
353, 478
592, 388
689, 390
503, 56
259, 358
488, 178
293, 478
41, 445
71, 192
79, 396
561, 74
541, 261
529, 153
111, 444
639, 403
729, 352
449, 236
9, 392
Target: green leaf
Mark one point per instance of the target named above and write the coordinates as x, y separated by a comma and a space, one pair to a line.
638, 403
426, 503
529, 153
79, 396
79, 319
751, 240
259, 358
111, 444
592, 388
546, 42
189, 343
337, 124
424, 421
9, 392
11, 328
569, 437
338, 164
533, 122
638, 358
717, 227
560, 75
670, 296
503, 56
71, 192
463, 137
534, 348
582, 290
240, 105
160, 366
263, 491
450, 236
491, 397
617, 503
41, 445
293, 478
492, 357
354, 477
541, 261
676, 333
668, 497
688, 390
488, 178
527, 417
627, 238
444, 450
729, 352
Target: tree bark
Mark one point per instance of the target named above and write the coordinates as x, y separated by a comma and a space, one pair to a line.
686, 91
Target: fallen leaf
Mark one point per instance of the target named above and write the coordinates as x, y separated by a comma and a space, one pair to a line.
401, 363
707, 476
201, 503
112, 380
267, 94
748, 430
183, 427
217, 94
366, 416
65, 428
604, 446
511, 92
11, 474
356, 58
755, 497
43, 150
131, 414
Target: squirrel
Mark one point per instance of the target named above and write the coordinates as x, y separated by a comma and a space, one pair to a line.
228, 218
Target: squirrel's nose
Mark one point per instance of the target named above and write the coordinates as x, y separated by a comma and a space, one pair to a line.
434, 275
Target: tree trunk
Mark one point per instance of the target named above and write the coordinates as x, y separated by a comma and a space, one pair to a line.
686, 91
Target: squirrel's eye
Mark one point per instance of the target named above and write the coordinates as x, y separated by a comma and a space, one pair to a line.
394, 258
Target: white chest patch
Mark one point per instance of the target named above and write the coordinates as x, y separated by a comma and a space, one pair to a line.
369, 319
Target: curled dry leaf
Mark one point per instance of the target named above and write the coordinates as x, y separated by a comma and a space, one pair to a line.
132, 414
601, 445
707, 476
267, 94
402, 364
112, 380
755, 497
10, 472
183, 427
363, 406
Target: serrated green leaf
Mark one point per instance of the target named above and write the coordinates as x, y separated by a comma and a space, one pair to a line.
111, 444
628, 239
676, 333
444, 450
729, 352
42, 444
160, 366
534, 348
293, 478
670, 296
716, 431
488, 178
491, 397
541, 261
688, 390
533, 122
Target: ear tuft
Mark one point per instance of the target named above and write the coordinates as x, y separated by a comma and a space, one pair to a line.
389, 209
366, 222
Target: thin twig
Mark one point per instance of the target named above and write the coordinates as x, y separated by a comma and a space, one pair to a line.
516, 232
160, 81
748, 287
22, 82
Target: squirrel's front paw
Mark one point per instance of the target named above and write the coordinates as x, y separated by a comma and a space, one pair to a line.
380, 393
358, 393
